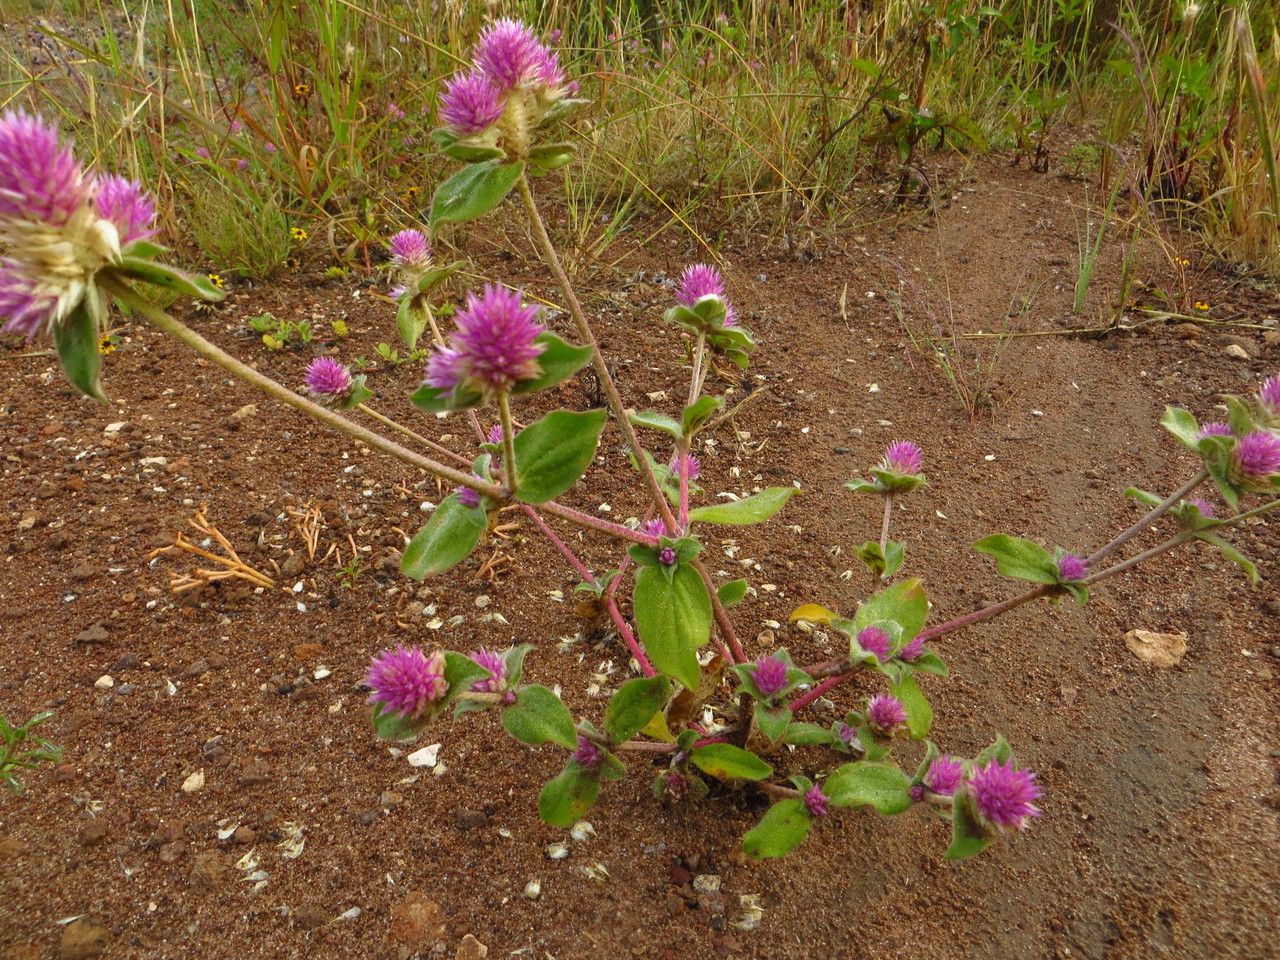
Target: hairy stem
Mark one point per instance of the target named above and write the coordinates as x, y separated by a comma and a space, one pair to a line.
508, 440
884, 524
401, 428
1156, 513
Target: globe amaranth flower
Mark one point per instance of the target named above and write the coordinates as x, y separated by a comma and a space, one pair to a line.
904, 457
327, 379
410, 251
587, 753
695, 466
875, 640
654, 528
886, 714
494, 347
509, 55
815, 801
497, 667
1207, 509
1071, 567
468, 497
1004, 797
405, 681
55, 240
1256, 457
944, 776
470, 103
1269, 396
667, 556
1215, 428
846, 733
770, 675
703, 280
129, 208
913, 650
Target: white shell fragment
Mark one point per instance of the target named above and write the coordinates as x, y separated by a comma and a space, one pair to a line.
557, 851
533, 889
426, 757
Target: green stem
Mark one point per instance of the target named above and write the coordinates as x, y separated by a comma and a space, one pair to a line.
508, 440
401, 428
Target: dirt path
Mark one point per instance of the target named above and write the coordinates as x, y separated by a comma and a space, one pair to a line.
1160, 812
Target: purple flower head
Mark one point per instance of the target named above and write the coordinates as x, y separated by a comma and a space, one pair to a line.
904, 457
815, 801
409, 249
1204, 506
667, 556
495, 434
327, 378
510, 55
496, 339
445, 369
912, 651
1071, 567
587, 753
886, 714
394, 111
654, 528
398, 291
1004, 796
269, 147
695, 468
1215, 428
129, 208
468, 497
699, 280
770, 675
470, 104
1269, 395
405, 681
25, 306
236, 127
675, 784
40, 179
944, 775
1257, 455
875, 640
203, 153
242, 164
916, 793
846, 733
493, 662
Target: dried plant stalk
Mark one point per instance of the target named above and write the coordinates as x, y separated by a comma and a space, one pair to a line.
232, 566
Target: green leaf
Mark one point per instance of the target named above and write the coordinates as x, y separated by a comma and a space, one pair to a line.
808, 735
1232, 554
473, 191
392, 726
862, 486
673, 616
879, 785
434, 400
633, 706
1239, 418
967, 836
566, 798
558, 361
919, 712
1143, 497
1182, 425
410, 322
698, 413
170, 278
929, 662
437, 275
1020, 559
552, 156
76, 340
445, 540
655, 421
731, 593
539, 716
460, 672
772, 721
727, 762
782, 829
738, 513
513, 662
999, 750
554, 453
359, 393
904, 603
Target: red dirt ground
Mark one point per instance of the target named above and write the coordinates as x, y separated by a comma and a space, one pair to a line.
1159, 831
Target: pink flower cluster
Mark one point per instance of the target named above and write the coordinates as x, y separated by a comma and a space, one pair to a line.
703, 280
494, 347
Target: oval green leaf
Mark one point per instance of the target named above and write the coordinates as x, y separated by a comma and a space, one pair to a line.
554, 453
673, 615
445, 540
740, 513
538, 716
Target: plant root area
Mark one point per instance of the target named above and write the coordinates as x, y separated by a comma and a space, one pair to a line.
222, 793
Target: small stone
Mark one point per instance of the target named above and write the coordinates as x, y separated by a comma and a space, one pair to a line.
293, 565
197, 669
1186, 331
84, 571
129, 661
194, 782
426, 757
1159, 649
94, 833
82, 939
767, 639
416, 921
27, 522
1237, 351
533, 889
471, 949
245, 412
105, 682
208, 871
244, 835
390, 798
95, 633
304, 652
309, 916
706, 883
172, 852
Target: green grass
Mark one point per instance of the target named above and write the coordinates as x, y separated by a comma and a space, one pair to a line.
751, 112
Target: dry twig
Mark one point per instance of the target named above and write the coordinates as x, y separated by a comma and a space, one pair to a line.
231, 564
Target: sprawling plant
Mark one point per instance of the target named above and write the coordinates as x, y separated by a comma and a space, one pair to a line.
700, 707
